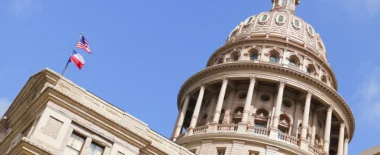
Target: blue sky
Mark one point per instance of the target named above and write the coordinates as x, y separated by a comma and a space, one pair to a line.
144, 50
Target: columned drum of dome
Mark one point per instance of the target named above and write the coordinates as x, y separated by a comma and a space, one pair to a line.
268, 90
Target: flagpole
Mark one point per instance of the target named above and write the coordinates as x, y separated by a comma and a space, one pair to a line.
67, 64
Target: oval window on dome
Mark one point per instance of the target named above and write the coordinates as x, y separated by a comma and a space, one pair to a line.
310, 30
264, 18
280, 19
297, 23
249, 20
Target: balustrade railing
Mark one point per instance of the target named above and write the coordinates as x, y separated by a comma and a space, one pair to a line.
227, 127
200, 130
287, 138
315, 149
258, 130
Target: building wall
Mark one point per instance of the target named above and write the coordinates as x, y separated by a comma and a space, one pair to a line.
57, 108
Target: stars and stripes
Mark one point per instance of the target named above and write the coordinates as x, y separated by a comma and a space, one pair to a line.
75, 57
83, 44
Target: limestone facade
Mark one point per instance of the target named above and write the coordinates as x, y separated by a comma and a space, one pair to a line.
52, 115
268, 90
371, 151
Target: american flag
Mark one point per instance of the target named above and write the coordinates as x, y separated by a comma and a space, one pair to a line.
83, 44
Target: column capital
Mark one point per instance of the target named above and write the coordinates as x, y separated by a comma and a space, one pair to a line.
225, 79
342, 124
330, 109
309, 94
252, 78
202, 86
346, 140
282, 83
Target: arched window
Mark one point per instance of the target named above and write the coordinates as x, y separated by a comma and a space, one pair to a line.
273, 58
293, 61
284, 123
220, 60
238, 113
234, 57
253, 54
261, 118
310, 69
324, 79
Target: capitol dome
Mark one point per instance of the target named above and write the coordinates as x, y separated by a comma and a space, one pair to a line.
278, 37
268, 90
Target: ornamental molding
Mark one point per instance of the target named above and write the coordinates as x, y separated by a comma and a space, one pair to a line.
297, 74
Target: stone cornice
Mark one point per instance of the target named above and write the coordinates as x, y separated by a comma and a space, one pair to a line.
263, 41
338, 100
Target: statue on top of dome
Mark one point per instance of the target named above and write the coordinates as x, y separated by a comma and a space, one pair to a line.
285, 5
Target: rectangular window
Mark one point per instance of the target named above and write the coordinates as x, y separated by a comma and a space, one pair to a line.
75, 144
119, 153
95, 149
221, 151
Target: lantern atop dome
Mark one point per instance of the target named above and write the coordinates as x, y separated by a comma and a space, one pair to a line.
285, 5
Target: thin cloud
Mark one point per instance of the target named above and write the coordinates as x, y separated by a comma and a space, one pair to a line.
362, 9
19, 7
4, 104
368, 96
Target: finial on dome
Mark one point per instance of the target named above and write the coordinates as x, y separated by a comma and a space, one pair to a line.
285, 5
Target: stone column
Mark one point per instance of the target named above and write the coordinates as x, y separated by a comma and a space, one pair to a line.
326, 139
180, 118
194, 119
313, 130
345, 152
248, 101
277, 112
341, 139
305, 122
219, 104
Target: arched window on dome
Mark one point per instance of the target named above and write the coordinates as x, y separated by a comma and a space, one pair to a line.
294, 61
234, 56
238, 113
273, 57
220, 60
284, 123
324, 79
310, 69
253, 55
261, 118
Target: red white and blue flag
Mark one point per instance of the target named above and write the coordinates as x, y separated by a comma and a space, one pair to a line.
77, 59
83, 44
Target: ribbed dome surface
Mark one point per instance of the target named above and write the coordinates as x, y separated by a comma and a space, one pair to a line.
280, 24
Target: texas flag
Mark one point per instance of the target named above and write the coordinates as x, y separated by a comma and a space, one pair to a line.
77, 59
